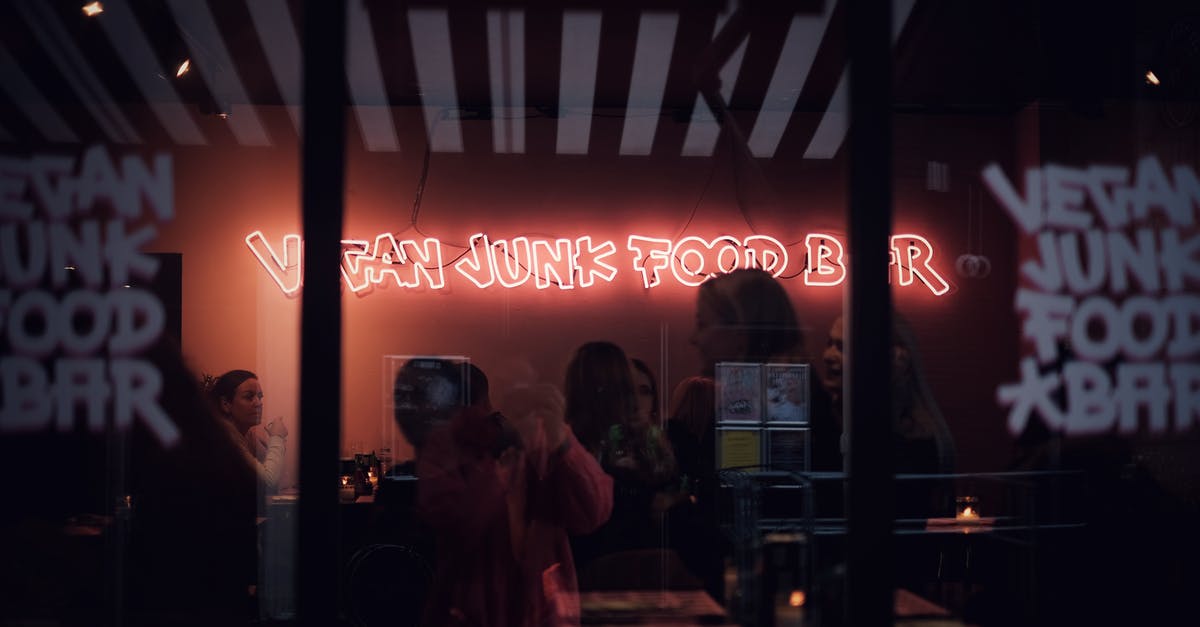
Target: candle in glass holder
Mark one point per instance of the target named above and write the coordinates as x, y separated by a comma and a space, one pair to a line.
346, 488
967, 508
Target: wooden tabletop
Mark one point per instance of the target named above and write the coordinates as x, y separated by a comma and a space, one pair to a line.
650, 607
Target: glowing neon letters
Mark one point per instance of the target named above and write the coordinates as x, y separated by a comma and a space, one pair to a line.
582, 262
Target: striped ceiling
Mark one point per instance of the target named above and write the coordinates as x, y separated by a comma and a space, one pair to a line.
66, 78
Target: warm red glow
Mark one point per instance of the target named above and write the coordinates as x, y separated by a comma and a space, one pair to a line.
797, 598
825, 265
566, 263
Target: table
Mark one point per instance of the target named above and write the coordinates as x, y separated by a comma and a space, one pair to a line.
650, 607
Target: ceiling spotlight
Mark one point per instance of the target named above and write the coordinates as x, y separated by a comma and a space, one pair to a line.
1151, 78
92, 9
183, 68
224, 115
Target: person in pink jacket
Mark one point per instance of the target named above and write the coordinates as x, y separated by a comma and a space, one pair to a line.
501, 495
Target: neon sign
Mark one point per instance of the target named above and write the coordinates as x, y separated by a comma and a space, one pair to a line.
1108, 300
583, 262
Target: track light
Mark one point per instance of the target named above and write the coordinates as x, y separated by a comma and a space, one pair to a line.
184, 68
92, 9
1151, 78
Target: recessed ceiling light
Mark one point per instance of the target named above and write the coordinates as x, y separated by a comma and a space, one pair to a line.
92, 9
183, 68
1151, 78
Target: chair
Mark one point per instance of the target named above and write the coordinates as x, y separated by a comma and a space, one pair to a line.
386, 584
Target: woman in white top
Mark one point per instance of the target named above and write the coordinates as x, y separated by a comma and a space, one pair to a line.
238, 399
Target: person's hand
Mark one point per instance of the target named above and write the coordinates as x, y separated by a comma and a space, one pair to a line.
258, 440
537, 413
555, 428
276, 427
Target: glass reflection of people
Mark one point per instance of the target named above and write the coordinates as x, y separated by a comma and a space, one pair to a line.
602, 406
746, 316
651, 428
501, 497
647, 392
693, 528
237, 396
923, 440
192, 546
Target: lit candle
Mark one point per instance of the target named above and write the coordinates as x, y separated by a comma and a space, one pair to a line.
968, 508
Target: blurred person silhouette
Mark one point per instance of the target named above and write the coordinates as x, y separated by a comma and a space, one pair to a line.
746, 316
692, 525
642, 444
193, 546
121, 519
690, 431
646, 389
923, 443
602, 405
501, 497
237, 397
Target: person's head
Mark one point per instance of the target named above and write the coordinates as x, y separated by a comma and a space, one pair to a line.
238, 397
599, 390
745, 316
693, 404
647, 393
832, 358
428, 392
904, 375
915, 412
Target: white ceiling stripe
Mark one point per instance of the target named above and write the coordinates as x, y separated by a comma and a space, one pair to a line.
651, 62
366, 82
429, 32
832, 130
795, 61
277, 34
703, 130
137, 55
211, 58
506, 72
32, 103
577, 80
75, 69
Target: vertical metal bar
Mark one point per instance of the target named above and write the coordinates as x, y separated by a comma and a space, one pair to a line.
869, 577
322, 182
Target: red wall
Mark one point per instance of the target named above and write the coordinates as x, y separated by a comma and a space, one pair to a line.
235, 316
